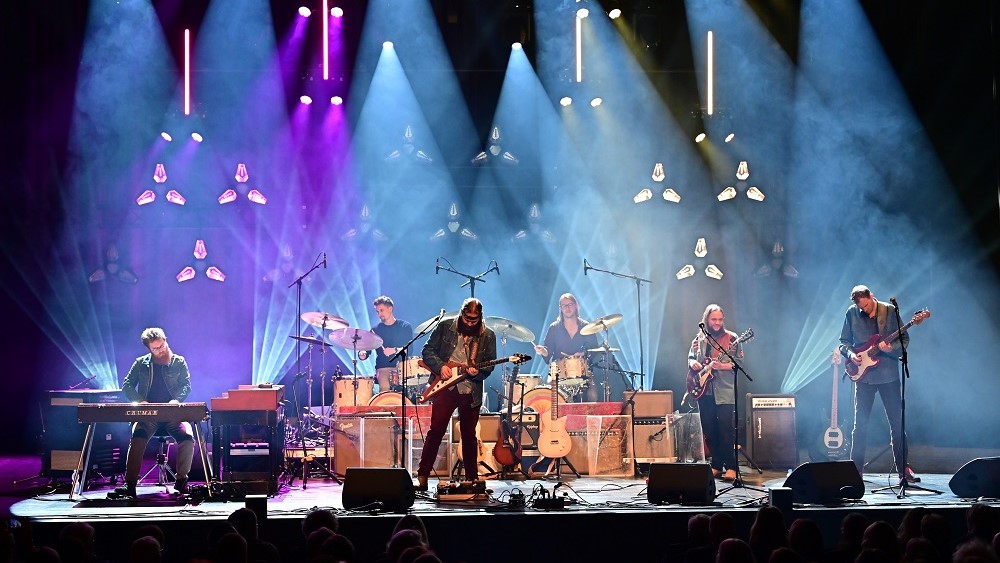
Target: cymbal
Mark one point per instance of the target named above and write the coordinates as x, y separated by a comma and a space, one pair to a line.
310, 340
603, 349
423, 326
603, 323
512, 329
327, 321
355, 339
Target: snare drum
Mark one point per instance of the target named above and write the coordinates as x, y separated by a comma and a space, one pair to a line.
345, 395
389, 399
573, 371
539, 399
416, 375
525, 383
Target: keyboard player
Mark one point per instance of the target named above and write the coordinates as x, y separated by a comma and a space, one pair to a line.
161, 376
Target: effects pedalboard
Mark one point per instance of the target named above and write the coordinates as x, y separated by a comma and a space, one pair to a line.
462, 490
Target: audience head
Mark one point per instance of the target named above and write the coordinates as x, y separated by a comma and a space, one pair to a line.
231, 548
881, 536
786, 555
412, 522
806, 539
975, 551
314, 543
699, 530
734, 550
722, 527
768, 530
402, 540
145, 550
319, 518
983, 521
245, 522
339, 548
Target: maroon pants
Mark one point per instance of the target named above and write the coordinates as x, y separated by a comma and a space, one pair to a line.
468, 416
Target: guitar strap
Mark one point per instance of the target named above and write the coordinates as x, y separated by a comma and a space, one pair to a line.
724, 342
881, 312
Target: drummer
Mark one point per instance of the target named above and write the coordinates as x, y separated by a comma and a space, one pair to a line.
563, 338
394, 333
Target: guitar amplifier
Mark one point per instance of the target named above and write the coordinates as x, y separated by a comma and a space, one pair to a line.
770, 431
64, 434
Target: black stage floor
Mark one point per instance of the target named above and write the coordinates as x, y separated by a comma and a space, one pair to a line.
603, 518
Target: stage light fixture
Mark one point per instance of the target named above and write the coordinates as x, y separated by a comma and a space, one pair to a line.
148, 196
337, 12
200, 252
686, 272
241, 173
159, 173
186, 274
596, 102
644, 195
305, 99
256, 197
227, 196
495, 150
387, 45
713, 272
337, 100
216, 274
304, 11
743, 170
727, 194
565, 101
197, 137
701, 248
777, 263
615, 13
166, 136
659, 173
671, 196
173, 196
582, 13
516, 46
699, 137
112, 268
755, 194
730, 137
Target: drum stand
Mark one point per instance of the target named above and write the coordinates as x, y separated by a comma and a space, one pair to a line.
324, 417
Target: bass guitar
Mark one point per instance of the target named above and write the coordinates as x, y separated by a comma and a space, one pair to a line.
833, 438
507, 450
697, 380
553, 439
869, 350
460, 373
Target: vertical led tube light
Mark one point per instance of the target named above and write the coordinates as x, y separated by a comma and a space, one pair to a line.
187, 72
710, 96
326, 40
579, 49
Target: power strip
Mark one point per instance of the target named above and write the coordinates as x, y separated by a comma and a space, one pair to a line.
551, 503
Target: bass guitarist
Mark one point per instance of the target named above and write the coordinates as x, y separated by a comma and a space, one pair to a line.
717, 404
467, 341
866, 318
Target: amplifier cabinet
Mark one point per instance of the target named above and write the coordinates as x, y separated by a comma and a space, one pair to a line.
654, 440
770, 431
64, 435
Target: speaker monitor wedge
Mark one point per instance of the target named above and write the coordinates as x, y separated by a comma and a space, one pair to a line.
680, 483
392, 487
977, 478
825, 482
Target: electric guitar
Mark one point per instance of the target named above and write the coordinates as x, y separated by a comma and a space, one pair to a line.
697, 381
460, 373
507, 450
553, 438
869, 349
833, 438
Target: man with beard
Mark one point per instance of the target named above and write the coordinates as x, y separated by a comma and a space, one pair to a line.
563, 338
717, 405
462, 341
161, 376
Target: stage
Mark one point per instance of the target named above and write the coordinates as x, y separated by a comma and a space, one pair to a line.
613, 511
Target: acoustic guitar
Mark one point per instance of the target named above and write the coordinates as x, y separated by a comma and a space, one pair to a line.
553, 439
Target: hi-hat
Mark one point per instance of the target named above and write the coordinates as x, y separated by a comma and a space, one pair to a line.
355, 339
604, 349
512, 329
603, 323
424, 325
323, 320
309, 340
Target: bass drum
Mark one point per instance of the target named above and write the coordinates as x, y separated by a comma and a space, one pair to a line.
389, 399
539, 399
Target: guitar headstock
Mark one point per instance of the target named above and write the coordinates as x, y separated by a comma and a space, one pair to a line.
920, 315
747, 336
519, 358
837, 357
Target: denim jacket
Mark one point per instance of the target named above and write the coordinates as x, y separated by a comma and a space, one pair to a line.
437, 351
140, 378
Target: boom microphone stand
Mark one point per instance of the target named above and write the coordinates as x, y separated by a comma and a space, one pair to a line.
903, 484
638, 299
737, 368
470, 279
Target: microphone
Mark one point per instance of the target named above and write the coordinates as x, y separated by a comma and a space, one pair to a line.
701, 326
657, 434
437, 267
441, 314
586, 266
892, 299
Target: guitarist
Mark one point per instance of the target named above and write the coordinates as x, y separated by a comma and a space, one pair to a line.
464, 340
864, 319
717, 405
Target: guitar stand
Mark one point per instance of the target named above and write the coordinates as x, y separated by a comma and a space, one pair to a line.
557, 464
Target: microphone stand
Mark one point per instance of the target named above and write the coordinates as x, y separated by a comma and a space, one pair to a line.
737, 368
401, 353
298, 369
470, 279
903, 483
638, 300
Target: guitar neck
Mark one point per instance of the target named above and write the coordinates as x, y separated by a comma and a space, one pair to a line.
833, 409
